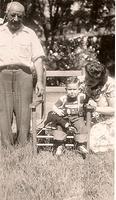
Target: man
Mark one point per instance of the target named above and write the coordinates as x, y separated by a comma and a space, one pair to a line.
20, 50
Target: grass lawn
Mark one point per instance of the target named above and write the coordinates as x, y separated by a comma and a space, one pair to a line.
47, 177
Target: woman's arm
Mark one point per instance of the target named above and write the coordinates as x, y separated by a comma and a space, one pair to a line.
105, 110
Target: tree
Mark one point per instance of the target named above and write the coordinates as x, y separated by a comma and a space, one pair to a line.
55, 17
56, 21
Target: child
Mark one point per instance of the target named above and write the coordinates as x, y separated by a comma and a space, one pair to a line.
67, 114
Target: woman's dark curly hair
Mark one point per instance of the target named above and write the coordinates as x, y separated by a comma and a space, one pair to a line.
96, 70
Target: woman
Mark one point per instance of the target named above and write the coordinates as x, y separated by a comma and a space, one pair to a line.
99, 89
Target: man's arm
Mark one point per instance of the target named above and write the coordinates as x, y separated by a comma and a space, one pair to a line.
39, 70
37, 55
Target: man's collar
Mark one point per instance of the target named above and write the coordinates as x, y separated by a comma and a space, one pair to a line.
24, 28
5, 27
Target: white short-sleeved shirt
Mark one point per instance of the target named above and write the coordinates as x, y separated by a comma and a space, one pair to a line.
22, 47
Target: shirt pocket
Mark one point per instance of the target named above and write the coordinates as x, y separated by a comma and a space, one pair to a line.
3, 50
23, 50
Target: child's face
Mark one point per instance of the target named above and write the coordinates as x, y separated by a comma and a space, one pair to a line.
72, 90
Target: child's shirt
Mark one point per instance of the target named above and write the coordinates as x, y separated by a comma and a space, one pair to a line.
70, 106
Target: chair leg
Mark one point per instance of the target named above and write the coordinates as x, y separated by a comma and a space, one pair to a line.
34, 142
88, 129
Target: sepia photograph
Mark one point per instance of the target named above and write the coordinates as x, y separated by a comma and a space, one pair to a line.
57, 100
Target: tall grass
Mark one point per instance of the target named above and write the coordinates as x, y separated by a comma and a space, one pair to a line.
47, 177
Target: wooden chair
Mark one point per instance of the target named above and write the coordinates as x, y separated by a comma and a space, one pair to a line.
37, 131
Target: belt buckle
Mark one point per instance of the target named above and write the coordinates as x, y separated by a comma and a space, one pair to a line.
12, 67
9, 67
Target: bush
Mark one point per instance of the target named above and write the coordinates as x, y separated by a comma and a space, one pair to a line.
71, 54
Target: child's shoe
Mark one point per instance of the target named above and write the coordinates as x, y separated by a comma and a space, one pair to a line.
82, 149
72, 130
50, 126
59, 150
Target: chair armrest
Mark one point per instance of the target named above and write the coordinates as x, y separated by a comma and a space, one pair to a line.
36, 103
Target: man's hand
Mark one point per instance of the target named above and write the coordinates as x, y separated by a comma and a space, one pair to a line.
39, 89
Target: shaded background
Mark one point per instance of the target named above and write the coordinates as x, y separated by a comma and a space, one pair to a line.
72, 31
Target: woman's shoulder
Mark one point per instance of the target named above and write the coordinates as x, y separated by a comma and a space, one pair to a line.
109, 86
110, 82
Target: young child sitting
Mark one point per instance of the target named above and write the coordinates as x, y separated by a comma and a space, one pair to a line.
67, 116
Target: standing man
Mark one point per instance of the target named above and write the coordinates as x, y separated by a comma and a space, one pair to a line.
20, 50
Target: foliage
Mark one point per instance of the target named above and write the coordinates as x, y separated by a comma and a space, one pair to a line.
57, 17
72, 54
56, 21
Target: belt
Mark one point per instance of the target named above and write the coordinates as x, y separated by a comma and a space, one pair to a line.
16, 67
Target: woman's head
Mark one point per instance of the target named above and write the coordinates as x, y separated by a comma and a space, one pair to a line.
72, 85
95, 74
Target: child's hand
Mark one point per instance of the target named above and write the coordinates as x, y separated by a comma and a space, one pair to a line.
95, 115
60, 112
